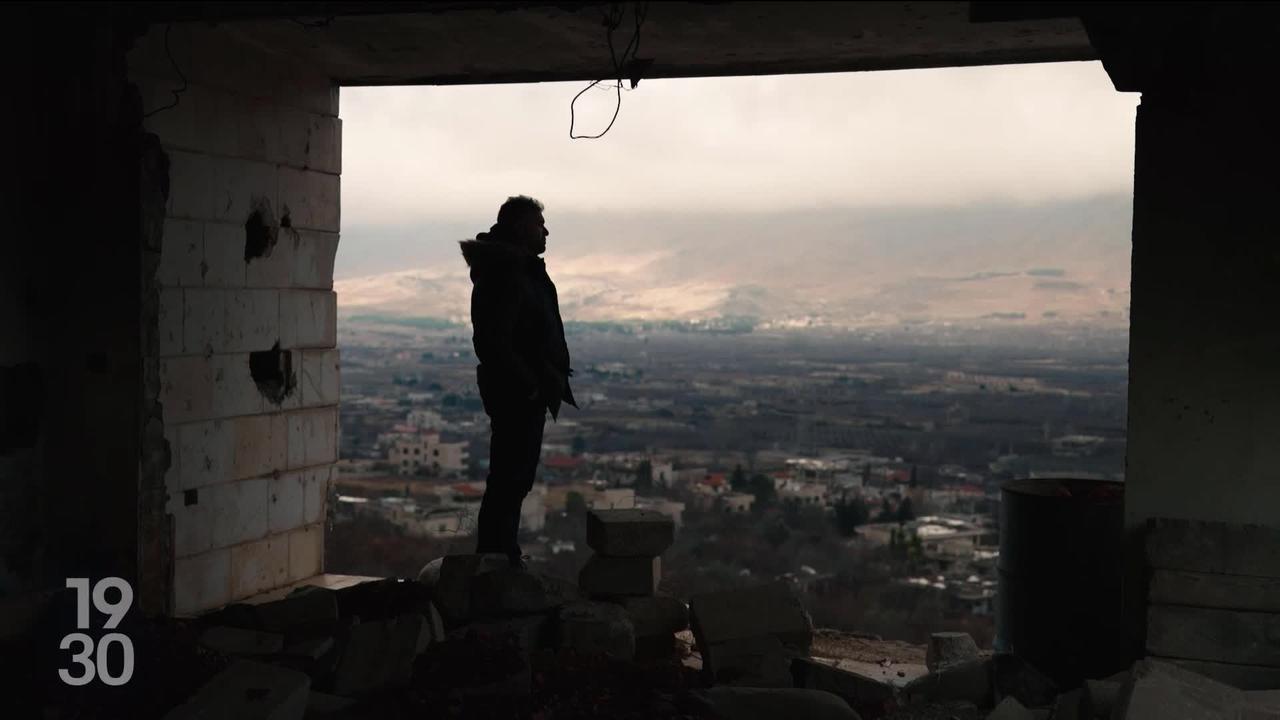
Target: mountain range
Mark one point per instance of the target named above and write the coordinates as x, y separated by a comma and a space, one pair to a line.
1063, 262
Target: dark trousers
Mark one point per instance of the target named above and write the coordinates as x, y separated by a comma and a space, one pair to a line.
515, 445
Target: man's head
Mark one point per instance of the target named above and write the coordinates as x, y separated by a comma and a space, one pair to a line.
521, 218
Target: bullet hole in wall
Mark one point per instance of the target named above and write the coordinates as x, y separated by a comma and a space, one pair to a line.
260, 231
272, 372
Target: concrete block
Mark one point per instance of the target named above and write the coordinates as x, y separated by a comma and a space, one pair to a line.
181, 252
620, 576
170, 322
207, 452
259, 566
859, 689
238, 510
286, 510
306, 609
315, 493
204, 322
273, 270
433, 630
311, 199
261, 445
239, 641
949, 648
749, 703
1228, 592
759, 661
1162, 691
190, 186
771, 609
306, 552
1071, 706
1213, 547
253, 320
236, 185
202, 582
234, 391
1010, 709
1015, 677
321, 704
656, 615
507, 591
1099, 696
324, 149
502, 653
1229, 636
378, 655
313, 437
192, 528
1245, 677
308, 319
224, 265
313, 257
967, 682
592, 628
309, 648
186, 389
319, 381
454, 578
629, 533
248, 691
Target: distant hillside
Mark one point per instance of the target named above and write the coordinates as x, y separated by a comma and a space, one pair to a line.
1062, 262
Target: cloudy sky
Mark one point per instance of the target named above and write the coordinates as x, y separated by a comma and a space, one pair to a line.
425, 166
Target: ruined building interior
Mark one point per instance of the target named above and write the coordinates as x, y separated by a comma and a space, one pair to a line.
169, 376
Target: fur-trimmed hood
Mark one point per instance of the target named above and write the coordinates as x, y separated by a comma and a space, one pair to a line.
489, 249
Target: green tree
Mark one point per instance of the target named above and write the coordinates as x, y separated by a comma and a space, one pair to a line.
765, 493
578, 446
905, 511
738, 480
849, 514
914, 479
644, 476
777, 533
575, 504
886, 512
866, 474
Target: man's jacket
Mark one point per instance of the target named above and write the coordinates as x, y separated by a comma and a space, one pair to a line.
517, 331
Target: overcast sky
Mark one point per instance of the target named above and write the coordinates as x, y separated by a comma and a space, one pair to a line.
422, 165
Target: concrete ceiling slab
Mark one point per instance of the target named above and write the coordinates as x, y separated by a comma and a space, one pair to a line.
471, 43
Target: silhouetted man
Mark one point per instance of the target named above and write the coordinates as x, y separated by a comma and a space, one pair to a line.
524, 361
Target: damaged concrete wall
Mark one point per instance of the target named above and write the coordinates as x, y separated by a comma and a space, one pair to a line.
245, 314
69, 303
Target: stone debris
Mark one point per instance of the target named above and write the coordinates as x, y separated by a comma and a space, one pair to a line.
967, 682
864, 692
950, 648
248, 691
629, 533
310, 648
457, 573
597, 628
505, 592
502, 653
241, 642
656, 615
748, 703
1164, 691
1015, 677
378, 655
1099, 696
1070, 706
750, 636
306, 609
1010, 709
616, 577
320, 704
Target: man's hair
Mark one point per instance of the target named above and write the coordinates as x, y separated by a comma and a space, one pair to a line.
516, 206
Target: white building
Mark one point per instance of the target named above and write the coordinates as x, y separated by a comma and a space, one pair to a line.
533, 511
425, 420
411, 454
670, 508
737, 502
614, 499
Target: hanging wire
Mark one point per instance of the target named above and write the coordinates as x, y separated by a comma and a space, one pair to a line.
178, 92
612, 21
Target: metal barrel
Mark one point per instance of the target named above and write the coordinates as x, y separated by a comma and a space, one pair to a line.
1059, 603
